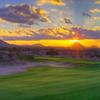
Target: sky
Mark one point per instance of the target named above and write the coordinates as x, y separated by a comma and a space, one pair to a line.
36, 20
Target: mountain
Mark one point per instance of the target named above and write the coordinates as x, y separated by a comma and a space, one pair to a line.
38, 45
4, 44
77, 45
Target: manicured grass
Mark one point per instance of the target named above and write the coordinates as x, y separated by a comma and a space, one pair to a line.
65, 60
46, 83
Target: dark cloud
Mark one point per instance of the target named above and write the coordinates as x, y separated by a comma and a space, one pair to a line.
87, 34
22, 14
67, 21
85, 14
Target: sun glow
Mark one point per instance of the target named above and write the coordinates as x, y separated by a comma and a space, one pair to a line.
75, 41
56, 43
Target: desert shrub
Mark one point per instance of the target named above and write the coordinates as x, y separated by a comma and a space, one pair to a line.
26, 57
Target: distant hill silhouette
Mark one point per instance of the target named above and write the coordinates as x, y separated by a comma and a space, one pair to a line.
77, 45
4, 44
38, 45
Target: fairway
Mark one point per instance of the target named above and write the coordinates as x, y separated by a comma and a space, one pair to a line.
47, 83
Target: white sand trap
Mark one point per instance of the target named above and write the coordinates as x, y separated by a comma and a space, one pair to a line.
11, 69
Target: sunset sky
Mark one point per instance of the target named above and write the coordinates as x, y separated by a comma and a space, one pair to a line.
50, 22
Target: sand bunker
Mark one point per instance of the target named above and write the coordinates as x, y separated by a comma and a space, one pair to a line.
11, 69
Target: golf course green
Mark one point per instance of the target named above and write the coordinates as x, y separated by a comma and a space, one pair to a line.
81, 82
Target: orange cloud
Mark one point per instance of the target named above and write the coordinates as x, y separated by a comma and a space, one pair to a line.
42, 13
49, 33
96, 18
16, 32
53, 2
97, 1
95, 10
2, 21
96, 28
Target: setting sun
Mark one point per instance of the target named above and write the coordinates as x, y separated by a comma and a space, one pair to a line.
75, 40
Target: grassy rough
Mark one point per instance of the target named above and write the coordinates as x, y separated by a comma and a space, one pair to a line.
45, 83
